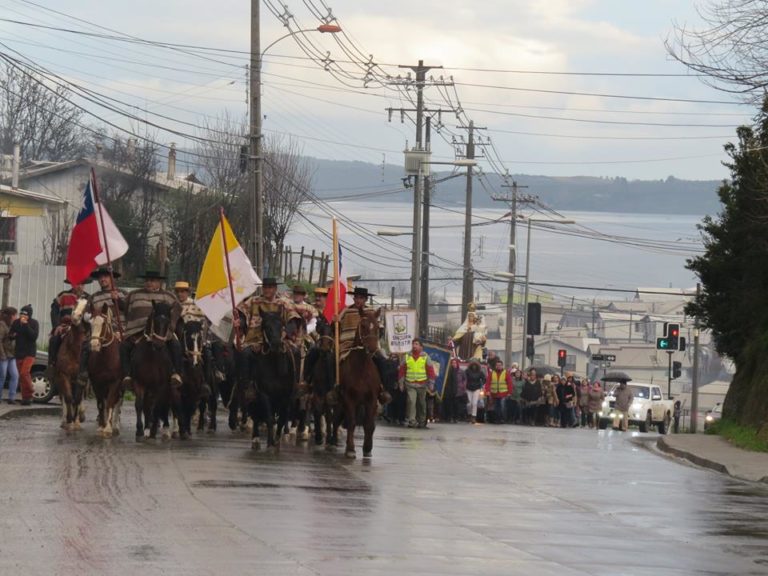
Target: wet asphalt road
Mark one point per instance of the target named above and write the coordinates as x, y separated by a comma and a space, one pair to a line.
454, 499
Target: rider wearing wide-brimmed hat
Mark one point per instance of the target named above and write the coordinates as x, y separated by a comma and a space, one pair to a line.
138, 308
268, 302
109, 294
61, 312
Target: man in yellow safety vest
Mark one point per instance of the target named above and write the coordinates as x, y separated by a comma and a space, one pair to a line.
499, 387
416, 374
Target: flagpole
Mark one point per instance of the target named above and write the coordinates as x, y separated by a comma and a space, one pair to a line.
336, 297
113, 285
229, 277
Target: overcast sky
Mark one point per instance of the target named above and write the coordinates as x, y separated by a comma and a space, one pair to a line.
335, 116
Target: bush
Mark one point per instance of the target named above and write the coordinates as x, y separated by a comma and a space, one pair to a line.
741, 436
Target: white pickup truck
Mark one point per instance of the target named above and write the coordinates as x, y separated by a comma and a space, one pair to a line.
649, 408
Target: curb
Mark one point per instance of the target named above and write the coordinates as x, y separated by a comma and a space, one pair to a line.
24, 412
698, 460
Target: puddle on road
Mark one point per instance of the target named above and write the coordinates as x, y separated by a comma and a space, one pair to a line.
274, 485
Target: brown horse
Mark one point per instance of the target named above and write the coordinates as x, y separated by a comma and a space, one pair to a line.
71, 390
105, 373
321, 378
360, 383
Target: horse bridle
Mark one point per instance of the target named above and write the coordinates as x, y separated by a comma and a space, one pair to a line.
103, 342
152, 335
196, 353
364, 339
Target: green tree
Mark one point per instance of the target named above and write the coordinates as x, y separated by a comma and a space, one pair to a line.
734, 274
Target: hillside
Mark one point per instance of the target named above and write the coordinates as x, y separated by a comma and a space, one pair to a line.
334, 179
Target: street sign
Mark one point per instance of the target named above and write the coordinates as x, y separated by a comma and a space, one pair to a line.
610, 357
603, 358
598, 357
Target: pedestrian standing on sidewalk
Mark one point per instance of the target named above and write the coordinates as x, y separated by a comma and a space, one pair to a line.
595, 406
25, 331
475, 381
417, 374
498, 387
582, 393
7, 356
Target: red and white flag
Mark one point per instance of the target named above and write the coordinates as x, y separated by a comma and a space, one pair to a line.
337, 294
93, 235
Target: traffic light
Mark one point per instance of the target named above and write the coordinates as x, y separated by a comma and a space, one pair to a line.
529, 347
534, 318
677, 369
673, 335
682, 345
662, 343
562, 356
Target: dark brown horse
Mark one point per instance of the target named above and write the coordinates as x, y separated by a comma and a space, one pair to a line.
151, 368
191, 336
360, 383
321, 377
71, 390
105, 373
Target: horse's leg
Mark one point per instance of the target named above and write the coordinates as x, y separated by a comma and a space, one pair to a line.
254, 408
110, 403
369, 426
77, 397
213, 406
139, 405
68, 417
350, 418
234, 406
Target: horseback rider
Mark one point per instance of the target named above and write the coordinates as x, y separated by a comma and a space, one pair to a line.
252, 308
61, 315
138, 309
349, 320
113, 297
307, 312
321, 294
190, 312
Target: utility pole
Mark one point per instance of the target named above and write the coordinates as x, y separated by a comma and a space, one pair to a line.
420, 71
424, 286
513, 199
695, 376
256, 172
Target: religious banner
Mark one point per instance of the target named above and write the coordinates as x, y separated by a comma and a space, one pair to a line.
441, 357
401, 329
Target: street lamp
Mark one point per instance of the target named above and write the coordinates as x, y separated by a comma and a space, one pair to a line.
527, 277
256, 175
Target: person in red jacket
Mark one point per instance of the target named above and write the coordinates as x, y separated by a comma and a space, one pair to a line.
498, 387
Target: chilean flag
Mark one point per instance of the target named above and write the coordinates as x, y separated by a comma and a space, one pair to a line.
87, 243
337, 292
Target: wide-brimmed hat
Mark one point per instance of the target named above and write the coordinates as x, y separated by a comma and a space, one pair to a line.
269, 281
360, 291
83, 283
320, 291
104, 271
152, 275
181, 285
299, 289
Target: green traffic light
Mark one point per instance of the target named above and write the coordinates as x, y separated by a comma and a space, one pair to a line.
662, 343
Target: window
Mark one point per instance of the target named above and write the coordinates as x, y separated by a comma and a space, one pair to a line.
8, 234
570, 362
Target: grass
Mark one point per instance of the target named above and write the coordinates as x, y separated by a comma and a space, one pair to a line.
741, 436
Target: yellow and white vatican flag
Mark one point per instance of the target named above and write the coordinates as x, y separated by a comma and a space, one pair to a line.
227, 277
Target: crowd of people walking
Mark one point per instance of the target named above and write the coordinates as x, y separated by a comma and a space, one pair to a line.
491, 393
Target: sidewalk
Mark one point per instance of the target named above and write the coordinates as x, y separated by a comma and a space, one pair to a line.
711, 451
8, 411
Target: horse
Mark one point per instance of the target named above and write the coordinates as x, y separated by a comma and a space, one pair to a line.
221, 378
321, 379
151, 368
191, 336
105, 373
276, 368
71, 390
360, 383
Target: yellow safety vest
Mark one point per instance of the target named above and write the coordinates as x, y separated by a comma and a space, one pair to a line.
499, 382
415, 368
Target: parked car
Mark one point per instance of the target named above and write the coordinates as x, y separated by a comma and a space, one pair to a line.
713, 415
649, 408
42, 388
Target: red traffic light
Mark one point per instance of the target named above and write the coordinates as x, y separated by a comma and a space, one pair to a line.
562, 353
674, 332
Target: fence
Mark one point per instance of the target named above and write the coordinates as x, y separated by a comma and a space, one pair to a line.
303, 266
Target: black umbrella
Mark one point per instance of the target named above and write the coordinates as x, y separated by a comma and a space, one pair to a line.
617, 376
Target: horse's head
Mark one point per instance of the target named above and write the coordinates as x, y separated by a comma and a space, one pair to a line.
325, 333
193, 340
158, 328
101, 329
368, 329
271, 328
79, 311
